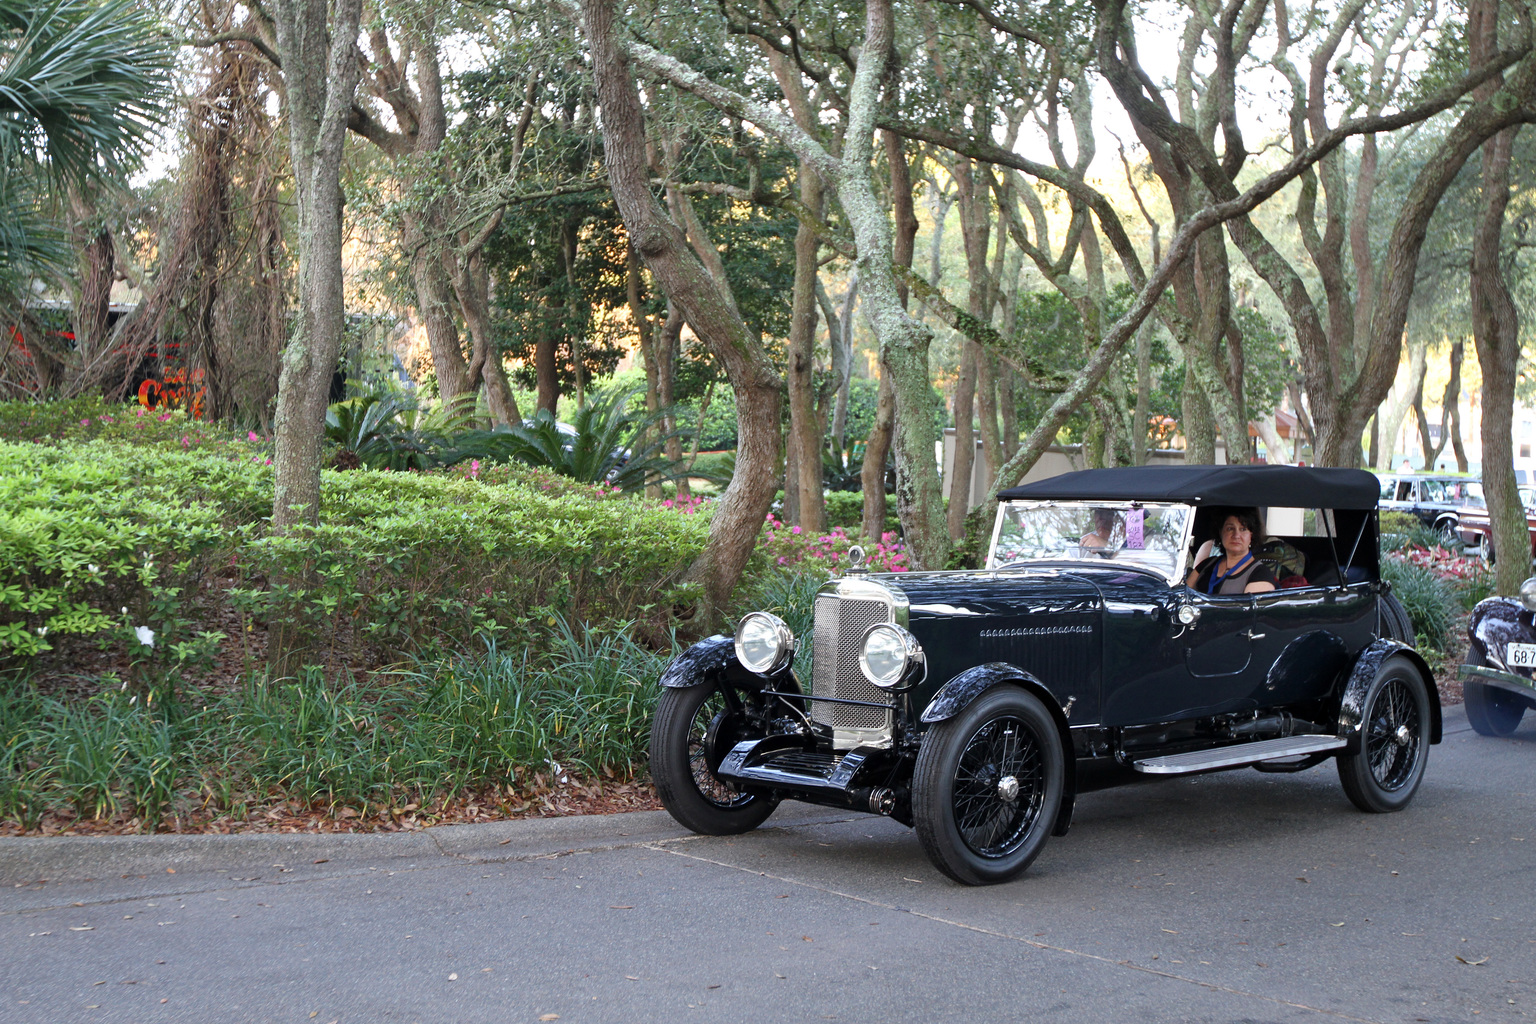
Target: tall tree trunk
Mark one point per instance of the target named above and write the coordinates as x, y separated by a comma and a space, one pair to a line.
845, 364
804, 427
1453, 404
472, 287
432, 305
321, 67
98, 264
1391, 412
963, 463
1143, 414
648, 355
878, 444
1496, 331
668, 349
738, 519
876, 447
1198, 423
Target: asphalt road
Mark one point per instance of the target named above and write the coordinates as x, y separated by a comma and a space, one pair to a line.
1232, 897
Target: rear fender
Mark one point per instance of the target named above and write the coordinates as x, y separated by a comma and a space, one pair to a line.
1356, 688
961, 691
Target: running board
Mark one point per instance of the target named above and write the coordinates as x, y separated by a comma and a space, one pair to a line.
1238, 754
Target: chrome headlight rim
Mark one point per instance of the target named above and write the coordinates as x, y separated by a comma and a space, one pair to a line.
901, 642
1528, 594
782, 639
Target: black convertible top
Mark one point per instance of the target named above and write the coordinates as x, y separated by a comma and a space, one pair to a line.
1277, 486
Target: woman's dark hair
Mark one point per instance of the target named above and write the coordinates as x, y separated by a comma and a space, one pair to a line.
1249, 517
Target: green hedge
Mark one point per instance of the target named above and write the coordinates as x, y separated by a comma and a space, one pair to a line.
104, 538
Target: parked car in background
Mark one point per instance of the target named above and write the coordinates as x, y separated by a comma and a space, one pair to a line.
1501, 654
1437, 501
1475, 529
975, 705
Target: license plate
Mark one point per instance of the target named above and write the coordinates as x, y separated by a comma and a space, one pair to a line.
1520, 656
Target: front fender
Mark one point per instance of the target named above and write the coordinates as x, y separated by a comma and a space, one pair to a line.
1495, 623
957, 694
1367, 664
713, 660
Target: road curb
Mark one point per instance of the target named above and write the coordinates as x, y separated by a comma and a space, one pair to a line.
27, 859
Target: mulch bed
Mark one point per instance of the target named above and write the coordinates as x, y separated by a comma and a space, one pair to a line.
542, 801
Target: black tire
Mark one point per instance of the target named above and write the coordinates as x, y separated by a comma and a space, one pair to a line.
680, 765
1491, 711
1394, 740
975, 825
1395, 623
1446, 528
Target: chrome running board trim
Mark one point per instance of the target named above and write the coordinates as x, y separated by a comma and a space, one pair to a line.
1238, 754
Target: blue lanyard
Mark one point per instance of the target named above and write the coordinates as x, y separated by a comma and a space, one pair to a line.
1217, 581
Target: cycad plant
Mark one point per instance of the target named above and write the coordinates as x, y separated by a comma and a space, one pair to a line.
606, 442
388, 429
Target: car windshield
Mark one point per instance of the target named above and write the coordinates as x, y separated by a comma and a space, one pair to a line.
1148, 536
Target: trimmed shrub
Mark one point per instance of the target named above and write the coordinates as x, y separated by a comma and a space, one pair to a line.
118, 542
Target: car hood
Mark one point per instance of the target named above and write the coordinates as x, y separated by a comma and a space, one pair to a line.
1048, 587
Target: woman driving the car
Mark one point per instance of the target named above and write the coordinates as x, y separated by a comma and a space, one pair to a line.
1233, 569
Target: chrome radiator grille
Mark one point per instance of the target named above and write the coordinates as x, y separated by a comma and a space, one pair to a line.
841, 623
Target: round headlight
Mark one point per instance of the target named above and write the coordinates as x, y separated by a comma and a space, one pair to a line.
1528, 594
887, 655
763, 643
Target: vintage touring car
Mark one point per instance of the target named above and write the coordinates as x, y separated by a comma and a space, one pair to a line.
975, 705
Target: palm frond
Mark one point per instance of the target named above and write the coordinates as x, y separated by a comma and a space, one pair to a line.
82, 85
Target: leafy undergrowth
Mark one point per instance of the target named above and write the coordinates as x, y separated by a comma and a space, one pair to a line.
496, 735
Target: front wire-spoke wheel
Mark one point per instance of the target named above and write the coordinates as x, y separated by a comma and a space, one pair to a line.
693, 729
987, 787
1394, 740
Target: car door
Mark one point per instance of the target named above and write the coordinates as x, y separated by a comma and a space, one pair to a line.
1218, 643
1302, 639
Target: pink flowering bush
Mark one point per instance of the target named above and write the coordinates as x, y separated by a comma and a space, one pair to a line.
1455, 566
693, 504
93, 418
783, 545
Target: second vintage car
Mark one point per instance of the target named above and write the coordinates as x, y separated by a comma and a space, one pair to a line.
1499, 677
976, 705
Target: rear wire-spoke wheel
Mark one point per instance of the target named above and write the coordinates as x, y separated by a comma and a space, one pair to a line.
1395, 622
987, 787
1394, 740
694, 728
1491, 711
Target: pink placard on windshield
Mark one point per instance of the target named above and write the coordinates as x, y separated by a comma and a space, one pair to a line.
1135, 519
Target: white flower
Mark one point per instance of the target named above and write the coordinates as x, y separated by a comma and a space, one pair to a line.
94, 568
125, 610
42, 631
145, 634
